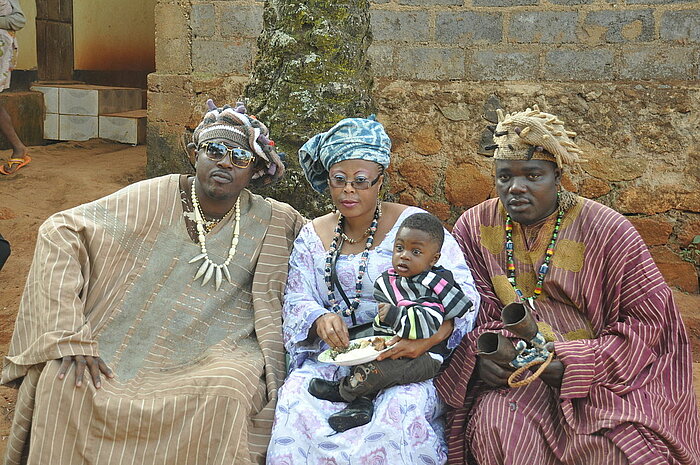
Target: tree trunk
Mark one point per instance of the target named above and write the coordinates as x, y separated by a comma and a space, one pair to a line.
311, 71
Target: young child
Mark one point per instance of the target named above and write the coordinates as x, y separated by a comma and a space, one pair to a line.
414, 298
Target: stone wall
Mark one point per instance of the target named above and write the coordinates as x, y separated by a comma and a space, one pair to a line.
536, 40
623, 75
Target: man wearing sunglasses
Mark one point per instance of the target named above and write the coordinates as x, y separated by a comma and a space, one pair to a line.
169, 292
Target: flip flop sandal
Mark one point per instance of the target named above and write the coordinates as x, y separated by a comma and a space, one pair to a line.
14, 164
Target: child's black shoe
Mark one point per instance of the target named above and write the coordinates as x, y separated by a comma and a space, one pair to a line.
358, 413
326, 390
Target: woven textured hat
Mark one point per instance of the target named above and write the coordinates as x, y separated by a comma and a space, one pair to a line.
534, 135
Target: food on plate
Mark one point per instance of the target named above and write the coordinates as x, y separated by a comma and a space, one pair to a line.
359, 349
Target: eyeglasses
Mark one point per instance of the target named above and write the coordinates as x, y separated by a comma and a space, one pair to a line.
339, 181
217, 151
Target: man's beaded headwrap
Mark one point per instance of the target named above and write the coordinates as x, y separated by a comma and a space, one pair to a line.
233, 125
534, 135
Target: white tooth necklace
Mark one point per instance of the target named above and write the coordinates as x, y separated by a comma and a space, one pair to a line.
208, 268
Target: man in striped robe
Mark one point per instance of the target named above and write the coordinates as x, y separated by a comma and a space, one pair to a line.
619, 389
169, 291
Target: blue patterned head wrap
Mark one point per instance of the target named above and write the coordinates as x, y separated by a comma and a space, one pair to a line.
351, 138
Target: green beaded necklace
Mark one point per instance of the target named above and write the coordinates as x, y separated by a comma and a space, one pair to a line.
544, 268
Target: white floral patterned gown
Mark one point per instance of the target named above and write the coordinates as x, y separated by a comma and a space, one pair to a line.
407, 426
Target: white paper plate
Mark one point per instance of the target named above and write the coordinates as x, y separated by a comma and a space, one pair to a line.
362, 355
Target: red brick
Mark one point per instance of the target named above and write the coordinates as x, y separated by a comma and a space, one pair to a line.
467, 185
421, 172
655, 230
675, 270
592, 188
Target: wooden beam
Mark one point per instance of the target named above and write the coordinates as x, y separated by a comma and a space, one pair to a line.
55, 10
54, 47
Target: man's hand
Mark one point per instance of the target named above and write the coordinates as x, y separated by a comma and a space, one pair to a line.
554, 373
382, 310
331, 328
95, 366
492, 373
414, 348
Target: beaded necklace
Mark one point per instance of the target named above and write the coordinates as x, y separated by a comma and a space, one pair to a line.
209, 268
510, 262
210, 224
350, 240
333, 252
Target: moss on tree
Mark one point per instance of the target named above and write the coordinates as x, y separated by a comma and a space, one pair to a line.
311, 71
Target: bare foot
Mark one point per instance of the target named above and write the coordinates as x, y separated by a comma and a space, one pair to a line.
15, 163
19, 152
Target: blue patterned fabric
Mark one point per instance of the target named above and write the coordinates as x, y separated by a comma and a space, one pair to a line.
351, 138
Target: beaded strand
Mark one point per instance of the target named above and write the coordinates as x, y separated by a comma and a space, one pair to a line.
544, 268
333, 252
350, 240
210, 224
208, 268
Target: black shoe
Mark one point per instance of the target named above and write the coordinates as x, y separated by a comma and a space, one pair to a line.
358, 413
326, 390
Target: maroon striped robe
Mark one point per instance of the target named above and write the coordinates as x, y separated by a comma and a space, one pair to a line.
626, 394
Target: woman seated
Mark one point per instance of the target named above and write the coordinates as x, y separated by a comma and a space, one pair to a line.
329, 301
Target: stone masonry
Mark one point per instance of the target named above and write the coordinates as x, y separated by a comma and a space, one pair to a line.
624, 75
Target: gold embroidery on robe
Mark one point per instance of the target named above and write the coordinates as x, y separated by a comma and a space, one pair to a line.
583, 333
493, 238
503, 289
545, 329
569, 255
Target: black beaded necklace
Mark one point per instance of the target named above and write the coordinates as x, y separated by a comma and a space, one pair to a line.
333, 252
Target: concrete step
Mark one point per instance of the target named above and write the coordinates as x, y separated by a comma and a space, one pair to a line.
26, 109
128, 127
73, 111
77, 127
89, 100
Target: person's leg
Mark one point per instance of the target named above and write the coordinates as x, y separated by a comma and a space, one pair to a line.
4, 251
524, 426
366, 380
19, 150
370, 378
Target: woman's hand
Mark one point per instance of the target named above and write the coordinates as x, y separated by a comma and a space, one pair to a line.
95, 365
331, 328
414, 348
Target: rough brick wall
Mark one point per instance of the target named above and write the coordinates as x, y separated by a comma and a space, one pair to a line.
624, 75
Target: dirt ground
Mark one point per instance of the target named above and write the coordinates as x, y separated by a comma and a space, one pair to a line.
60, 176
64, 175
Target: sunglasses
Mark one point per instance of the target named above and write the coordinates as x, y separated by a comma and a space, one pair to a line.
339, 181
217, 151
